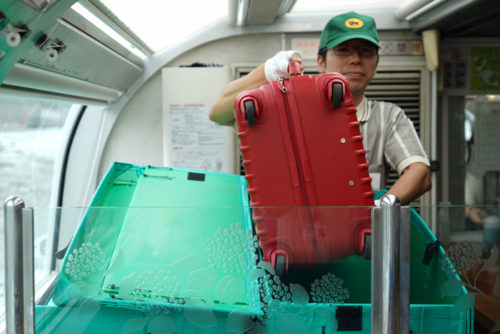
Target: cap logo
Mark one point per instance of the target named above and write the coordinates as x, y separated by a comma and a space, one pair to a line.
353, 23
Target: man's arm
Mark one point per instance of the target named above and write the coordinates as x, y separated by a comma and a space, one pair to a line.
276, 66
476, 215
222, 110
415, 181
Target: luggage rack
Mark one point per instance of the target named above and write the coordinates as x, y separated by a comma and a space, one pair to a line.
390, 267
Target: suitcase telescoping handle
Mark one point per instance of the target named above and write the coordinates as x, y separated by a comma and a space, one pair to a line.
294, 68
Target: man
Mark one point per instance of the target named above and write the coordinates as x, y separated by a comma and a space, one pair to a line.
349, 45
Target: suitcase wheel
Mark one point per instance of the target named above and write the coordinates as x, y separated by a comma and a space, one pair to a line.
337, 95
280, 264
367, 249
250, 113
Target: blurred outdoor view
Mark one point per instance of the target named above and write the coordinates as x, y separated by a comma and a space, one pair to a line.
30, 132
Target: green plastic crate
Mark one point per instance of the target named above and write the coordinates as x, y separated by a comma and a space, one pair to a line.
164, 250
160, 229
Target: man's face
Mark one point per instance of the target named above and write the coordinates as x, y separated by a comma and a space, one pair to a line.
359, 67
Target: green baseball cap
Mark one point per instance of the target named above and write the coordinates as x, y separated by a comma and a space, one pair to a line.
348, 26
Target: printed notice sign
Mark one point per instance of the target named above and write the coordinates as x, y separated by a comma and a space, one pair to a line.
194, 141
190, 139
308, 46
401, 48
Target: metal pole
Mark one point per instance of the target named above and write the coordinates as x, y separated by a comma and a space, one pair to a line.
404, 270
434, 89
390, 268
19, 286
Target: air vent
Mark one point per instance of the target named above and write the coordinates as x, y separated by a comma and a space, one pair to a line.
401, 88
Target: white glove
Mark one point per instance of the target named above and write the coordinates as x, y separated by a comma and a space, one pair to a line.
277, 66
377, 203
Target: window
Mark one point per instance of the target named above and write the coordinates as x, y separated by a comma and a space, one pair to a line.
308, 6
161, 23
30, 143
482, 161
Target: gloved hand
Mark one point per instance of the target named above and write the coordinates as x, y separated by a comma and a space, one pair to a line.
277, 66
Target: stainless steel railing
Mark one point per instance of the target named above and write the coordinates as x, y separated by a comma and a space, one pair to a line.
390, 267
19, 275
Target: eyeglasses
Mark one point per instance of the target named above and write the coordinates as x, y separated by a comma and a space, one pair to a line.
365, 51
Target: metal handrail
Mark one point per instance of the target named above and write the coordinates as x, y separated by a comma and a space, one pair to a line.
19, 279
390, 267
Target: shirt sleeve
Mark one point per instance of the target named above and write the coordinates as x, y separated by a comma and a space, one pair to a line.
402, 144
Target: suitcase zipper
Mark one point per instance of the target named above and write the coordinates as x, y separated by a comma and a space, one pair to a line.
281, 85
293, 138
300, 172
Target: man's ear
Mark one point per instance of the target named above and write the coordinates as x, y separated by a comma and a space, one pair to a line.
321, 64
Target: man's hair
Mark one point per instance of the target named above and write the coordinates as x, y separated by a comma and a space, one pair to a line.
322, 53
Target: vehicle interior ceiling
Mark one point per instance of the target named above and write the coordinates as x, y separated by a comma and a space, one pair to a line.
92, 66
117, 68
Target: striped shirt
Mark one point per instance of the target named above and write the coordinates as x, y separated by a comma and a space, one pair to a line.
389, 138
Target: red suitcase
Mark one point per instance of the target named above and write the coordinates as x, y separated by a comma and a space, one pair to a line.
305, 165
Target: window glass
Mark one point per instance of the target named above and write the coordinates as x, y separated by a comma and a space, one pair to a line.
482, 160
308, 6
30, 141
469, 220
161, 23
